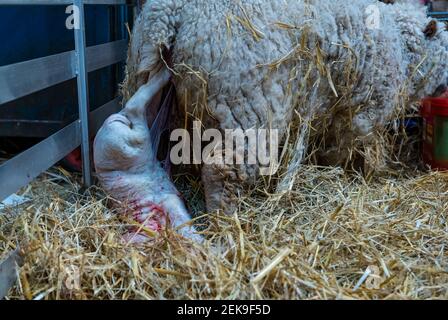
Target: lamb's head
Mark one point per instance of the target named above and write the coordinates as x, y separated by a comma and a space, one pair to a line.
121, 144
128, 170
124, 142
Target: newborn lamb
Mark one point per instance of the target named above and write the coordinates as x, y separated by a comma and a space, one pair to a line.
125, 160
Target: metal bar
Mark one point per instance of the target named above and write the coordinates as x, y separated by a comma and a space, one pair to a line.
8, 272
23, 78
444, 13
29, 128
123, 21
25, 167
104, 55
60, 2
44, 128
20, 79
83, 93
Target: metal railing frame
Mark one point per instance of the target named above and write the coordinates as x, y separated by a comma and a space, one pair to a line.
441, 16
23, 78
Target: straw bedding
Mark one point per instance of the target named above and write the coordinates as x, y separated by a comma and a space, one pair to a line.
316, 242
334, 234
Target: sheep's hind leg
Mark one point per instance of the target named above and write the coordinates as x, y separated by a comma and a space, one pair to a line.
224, 184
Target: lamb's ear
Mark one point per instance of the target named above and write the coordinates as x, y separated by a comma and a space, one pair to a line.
161, 122
137, 105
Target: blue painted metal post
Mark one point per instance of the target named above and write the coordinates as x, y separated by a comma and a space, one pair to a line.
83, 92
123, 20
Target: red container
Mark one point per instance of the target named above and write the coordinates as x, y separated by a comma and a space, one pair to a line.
435, 132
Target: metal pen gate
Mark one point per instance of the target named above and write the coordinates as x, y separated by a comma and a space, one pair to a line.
439, 15
20, 79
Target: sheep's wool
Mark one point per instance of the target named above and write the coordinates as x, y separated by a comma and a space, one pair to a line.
252, 63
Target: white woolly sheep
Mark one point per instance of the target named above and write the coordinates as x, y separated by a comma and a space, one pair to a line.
264, 63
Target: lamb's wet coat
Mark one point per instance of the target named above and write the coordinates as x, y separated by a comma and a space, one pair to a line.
128, 170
